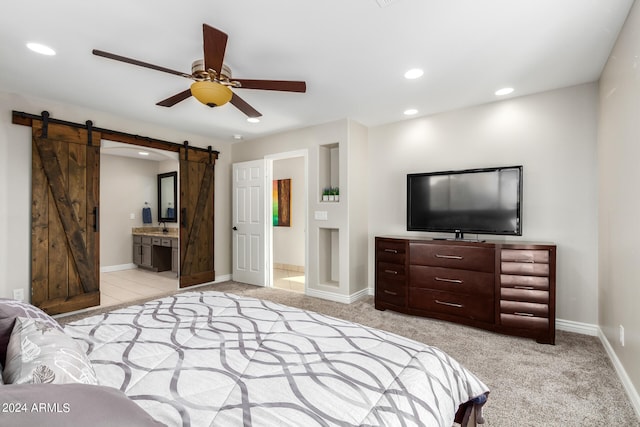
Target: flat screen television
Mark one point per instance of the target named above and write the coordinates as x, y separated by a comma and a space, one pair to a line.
479, 201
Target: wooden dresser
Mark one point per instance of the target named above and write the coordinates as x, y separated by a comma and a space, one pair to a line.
503, 287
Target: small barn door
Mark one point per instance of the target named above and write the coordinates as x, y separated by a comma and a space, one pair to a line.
196, 216
65, 217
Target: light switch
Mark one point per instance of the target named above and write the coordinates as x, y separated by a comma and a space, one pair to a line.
321, 215
132, 216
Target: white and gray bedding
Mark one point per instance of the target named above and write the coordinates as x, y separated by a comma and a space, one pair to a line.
215, 359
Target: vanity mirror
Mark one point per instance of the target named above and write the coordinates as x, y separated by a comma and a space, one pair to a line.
167, 197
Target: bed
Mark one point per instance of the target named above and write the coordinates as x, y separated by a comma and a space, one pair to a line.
218, 359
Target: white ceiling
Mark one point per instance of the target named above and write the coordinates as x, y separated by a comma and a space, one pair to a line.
351, 53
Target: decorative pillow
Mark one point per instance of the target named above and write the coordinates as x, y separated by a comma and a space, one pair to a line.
40, 353
9, 310
65, 405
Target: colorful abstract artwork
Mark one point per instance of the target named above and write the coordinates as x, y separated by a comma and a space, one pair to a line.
281, 195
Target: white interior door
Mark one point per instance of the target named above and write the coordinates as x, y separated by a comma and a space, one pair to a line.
249, 222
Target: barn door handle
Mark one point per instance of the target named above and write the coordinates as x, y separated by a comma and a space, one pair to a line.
96, 219
183, 217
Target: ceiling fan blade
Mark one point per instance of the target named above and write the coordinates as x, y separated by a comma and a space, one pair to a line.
215, 44
173, 100
281, 85
138, 63
243, 106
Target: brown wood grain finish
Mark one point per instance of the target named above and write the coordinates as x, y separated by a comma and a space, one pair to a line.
503, 287
525, 255
391, 274
197, 207
465, 306
452, 256
452, 280
64, 244
524, 282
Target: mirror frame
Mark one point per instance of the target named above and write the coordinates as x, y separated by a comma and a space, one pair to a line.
174, 177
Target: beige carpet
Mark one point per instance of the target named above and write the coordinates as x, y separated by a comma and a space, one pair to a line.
570, 384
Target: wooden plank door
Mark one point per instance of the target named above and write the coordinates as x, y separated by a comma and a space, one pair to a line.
196, 217
65, 238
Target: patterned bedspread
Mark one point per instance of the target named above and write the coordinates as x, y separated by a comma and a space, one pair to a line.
216, 359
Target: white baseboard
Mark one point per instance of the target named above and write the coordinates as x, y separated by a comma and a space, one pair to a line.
120, 267
634, 397
331, 296
577, 327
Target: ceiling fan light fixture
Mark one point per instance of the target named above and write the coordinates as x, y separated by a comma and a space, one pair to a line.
211, 93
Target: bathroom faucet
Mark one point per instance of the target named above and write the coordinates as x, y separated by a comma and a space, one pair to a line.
164, 227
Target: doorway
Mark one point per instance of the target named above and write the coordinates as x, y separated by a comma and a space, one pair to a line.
287, 247
129, 175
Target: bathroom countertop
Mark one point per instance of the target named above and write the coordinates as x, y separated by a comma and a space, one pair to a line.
155, 232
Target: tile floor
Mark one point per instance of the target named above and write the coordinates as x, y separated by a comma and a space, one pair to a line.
288, 280
117, 287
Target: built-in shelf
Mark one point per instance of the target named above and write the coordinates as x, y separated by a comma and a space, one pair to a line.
329, 168
329, 256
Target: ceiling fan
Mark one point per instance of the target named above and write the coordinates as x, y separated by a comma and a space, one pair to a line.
212, 78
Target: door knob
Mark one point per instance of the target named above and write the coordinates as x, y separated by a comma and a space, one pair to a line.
235, 228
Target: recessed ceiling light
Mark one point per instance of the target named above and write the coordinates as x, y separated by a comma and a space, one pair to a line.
41, 49
413, 73
236, 136
253, 120
504, 91
410, 112
143, 153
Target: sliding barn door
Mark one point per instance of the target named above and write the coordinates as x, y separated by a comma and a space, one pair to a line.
196, 216
65, 240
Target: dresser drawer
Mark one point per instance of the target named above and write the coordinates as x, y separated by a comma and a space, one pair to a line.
391, 291
524, 295
452, 280
451, 256
524, 322
389, 270
391, 251
526, 309
466, 306
531, 269
524, 282
525, 256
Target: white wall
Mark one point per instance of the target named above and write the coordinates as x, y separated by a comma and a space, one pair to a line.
288, 242
552, 134
15, 182
619, 205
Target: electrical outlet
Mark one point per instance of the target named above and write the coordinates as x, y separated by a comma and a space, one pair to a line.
622, 335
132, 216
18, 294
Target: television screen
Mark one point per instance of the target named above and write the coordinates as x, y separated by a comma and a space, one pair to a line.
482, 201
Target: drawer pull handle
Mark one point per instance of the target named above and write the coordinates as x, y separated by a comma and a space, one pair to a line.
517, 313
390, 293
448, 256
391, 272
391, 251
450, 304
442, 279
528, 288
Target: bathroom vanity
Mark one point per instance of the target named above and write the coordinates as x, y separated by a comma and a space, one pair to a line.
155, 250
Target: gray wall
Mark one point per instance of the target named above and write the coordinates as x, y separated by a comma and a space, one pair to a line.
552, 134
125, 184
619, 204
